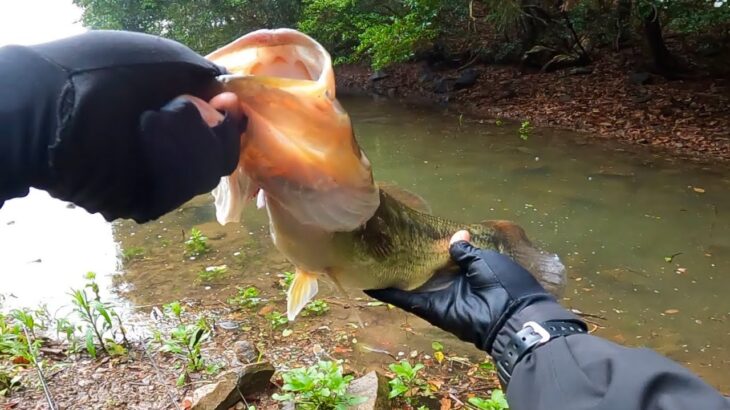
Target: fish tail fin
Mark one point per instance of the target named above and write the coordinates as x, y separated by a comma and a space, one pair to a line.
545, 267
302, 291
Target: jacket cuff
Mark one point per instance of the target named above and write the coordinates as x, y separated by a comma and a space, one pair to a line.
506, 358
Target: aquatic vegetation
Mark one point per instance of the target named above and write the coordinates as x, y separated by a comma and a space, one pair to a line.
316, 308
525, 129
186, 340
277, 319
321, 386
197, 244
246, 297
132, 253
498, 401
406, 384
100, 319
212, 272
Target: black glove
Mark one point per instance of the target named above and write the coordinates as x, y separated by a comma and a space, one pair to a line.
486, 305
86, 119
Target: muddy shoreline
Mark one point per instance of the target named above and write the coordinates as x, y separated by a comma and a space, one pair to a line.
687, 119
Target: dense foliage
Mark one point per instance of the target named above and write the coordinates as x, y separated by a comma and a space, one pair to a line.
545, 34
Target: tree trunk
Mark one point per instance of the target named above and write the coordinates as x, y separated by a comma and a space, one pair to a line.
664, 62
623, 22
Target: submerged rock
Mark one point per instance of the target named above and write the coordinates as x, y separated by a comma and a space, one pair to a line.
374, 386
232, 385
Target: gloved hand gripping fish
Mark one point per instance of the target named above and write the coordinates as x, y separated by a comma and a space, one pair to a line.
300, 159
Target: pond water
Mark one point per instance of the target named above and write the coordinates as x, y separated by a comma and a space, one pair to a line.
645, 238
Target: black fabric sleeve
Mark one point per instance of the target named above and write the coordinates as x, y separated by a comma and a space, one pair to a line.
587, 372
29, 91
70, 114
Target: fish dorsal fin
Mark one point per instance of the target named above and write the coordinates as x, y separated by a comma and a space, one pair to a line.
405, 197
302, 290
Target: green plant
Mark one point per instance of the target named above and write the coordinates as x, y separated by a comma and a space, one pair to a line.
212, 272
99, 318
13, 342
65, 327
197, 244
525, 129
286, 280
9, 380
186, 340
316, 308
132, 253
277, 319
406, 383
246, 297
497, 402
321, 386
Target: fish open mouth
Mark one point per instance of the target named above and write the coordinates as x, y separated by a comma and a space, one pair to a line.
299, 146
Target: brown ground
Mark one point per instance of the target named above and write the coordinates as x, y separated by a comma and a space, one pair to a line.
690, 118
146, 378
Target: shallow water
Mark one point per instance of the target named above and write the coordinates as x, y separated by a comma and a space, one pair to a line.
612, 212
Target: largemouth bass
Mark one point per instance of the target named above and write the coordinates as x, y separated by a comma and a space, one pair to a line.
300, 159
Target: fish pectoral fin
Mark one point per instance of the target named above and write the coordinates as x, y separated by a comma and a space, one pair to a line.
302, 290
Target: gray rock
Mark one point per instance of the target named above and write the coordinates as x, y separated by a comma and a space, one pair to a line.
374, 386
442, 85
467, 79
580, 71
246, 351
640, 78
231, 385
378, 75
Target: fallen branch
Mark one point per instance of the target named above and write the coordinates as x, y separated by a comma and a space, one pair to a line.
46, 390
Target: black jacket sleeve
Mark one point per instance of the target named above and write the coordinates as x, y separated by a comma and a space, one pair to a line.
587, 372
70, 113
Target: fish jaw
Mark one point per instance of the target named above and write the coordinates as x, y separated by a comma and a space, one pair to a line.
299, 144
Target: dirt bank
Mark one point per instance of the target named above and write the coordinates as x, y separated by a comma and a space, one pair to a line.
689, 118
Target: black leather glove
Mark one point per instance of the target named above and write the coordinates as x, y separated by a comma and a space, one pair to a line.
486, 305
89, 119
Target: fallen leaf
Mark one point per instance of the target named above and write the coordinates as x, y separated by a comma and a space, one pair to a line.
439, 356
266, 310
435, 384
287, 332
445, 403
